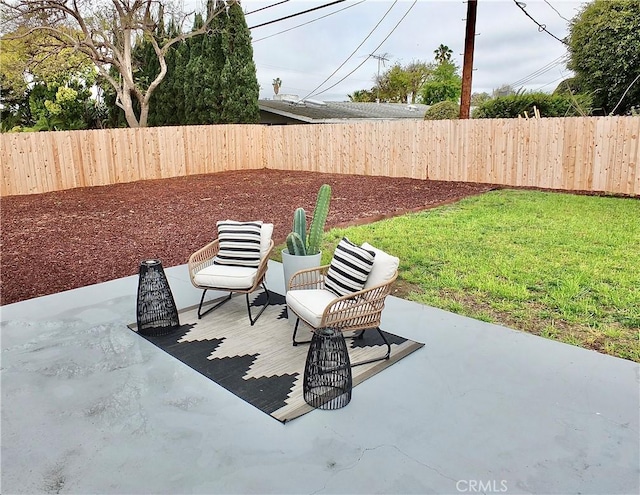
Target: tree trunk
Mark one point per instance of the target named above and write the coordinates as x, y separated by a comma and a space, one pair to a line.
126, 103
128, 84
144, 114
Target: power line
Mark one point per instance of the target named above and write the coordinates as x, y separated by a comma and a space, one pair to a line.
374, 50
267, 7
541, 27
309, 22
354, 51
297, 14
625, 94
562, 76
556, 10
540, 71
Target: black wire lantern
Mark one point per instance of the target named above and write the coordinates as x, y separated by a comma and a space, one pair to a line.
327, 372
156, 309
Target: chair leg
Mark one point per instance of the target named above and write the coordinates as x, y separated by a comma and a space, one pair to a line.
253, 320
200, 315
386, 356
295, 331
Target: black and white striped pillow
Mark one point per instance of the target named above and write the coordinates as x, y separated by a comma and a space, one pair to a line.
239, 243
349, 268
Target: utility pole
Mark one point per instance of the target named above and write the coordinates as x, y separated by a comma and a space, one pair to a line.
381, 58
467, 68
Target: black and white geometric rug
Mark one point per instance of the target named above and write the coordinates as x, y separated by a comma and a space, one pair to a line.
258, 363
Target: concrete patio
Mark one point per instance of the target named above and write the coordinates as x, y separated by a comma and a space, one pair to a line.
89, 407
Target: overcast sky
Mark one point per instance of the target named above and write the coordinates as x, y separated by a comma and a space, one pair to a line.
510, 48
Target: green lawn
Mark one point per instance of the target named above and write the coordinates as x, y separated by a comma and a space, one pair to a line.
562, 266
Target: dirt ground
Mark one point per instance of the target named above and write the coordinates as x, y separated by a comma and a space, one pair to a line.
67, 239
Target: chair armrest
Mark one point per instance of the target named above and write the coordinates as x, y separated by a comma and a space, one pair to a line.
203, 257
262, 267
309, 278
359, 310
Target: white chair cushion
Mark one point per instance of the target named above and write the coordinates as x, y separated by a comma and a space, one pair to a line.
226, 277
266, 232
384, 267
309, 304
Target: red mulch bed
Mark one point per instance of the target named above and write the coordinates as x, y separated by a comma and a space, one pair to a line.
62, 240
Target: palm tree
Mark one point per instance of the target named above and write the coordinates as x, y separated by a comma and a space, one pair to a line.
277, 82
443, 53
363, 96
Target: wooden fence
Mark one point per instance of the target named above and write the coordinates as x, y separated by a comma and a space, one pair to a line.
582, 154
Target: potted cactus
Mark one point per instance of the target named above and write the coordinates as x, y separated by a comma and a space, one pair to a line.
303, 248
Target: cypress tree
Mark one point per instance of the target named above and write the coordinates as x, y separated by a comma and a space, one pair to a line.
239, 83
192, 84
215, 58
203, 69
175, 97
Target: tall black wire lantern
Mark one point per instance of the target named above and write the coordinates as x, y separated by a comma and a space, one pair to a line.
327, 372
156, 309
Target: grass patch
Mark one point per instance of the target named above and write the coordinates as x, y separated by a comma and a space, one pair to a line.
557, 265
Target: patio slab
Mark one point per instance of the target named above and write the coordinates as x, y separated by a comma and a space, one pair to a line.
89, 407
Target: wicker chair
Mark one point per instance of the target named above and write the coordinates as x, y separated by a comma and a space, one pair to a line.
357, 312
207, 275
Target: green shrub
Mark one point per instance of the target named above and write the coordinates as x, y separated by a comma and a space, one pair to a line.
508, 107
444, 110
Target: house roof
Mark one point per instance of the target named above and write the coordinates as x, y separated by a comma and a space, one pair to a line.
314, 111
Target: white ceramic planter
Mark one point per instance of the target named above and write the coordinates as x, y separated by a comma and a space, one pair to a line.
291, 264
